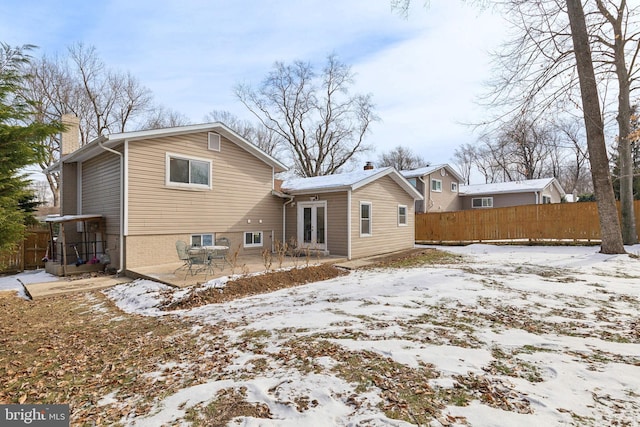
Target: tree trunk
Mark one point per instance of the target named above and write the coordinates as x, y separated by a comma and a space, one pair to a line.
629, 234
605, 198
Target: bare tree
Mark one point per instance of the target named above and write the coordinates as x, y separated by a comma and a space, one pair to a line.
105, 101
573, 173
322, 125
609, 224
162, 117
622, 44
465, 158
519, 149
401, 158
537, 73
264, 138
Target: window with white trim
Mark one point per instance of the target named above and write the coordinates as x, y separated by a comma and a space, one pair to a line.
189, 172
402, 215
546, 200
365, 218
436, 185
454, 187
202, 239
482, 202
253, 239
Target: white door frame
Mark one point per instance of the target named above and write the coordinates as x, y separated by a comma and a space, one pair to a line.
312, 243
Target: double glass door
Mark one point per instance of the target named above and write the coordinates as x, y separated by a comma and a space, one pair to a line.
312, 225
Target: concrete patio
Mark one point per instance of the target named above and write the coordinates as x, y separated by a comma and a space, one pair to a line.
172, 274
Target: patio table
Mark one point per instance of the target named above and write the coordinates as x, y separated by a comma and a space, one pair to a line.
208, 253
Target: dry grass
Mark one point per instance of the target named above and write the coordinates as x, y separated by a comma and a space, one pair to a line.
79, 348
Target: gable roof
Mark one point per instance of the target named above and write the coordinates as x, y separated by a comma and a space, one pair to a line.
346, 181
93, 148
428, 170
525, 186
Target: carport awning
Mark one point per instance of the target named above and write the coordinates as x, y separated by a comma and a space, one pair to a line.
72, 218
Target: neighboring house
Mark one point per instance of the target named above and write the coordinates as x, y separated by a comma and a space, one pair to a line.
438, 185
200, 182
355, 214
502, 194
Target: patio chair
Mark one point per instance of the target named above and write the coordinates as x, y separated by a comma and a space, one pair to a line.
199, 260
183, 254
219, 256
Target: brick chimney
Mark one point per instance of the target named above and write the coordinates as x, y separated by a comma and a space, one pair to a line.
368, 166
70, 137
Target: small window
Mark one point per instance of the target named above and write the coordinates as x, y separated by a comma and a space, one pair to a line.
365, 218
546, 200
253, 239
214, 141
202, 240
436, 185
413, 181
482, 202
454, 187
402, 215
188, 172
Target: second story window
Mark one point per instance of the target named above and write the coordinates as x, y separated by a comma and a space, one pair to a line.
188, 172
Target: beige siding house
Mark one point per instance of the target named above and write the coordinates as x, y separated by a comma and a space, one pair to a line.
202, 182
354, 214
438, 185
193, 183
503, 194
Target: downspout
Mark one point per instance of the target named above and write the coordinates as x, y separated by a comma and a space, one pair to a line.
284, 217
121, 237
537, 193
349, 224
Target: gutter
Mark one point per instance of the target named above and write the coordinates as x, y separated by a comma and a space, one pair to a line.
284, 217
284, 211
121, 237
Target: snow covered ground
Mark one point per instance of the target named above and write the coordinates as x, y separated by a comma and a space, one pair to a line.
552, 333
12, 282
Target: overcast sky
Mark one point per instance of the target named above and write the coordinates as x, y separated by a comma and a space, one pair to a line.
424, 72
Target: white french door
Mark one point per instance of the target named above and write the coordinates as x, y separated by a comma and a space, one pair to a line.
312, 225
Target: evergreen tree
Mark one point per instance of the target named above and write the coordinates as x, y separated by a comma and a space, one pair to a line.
20, 137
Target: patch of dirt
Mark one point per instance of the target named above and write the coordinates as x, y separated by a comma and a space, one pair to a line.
415, 258
273, 281
256, 284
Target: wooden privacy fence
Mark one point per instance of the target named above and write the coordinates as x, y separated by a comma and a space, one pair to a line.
561, 221
29, 254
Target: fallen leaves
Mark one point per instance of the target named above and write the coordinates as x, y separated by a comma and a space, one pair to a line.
60, 350
494, 392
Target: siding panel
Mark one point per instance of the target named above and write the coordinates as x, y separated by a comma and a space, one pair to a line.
240, 198
101, 189
336, 221
387, 236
